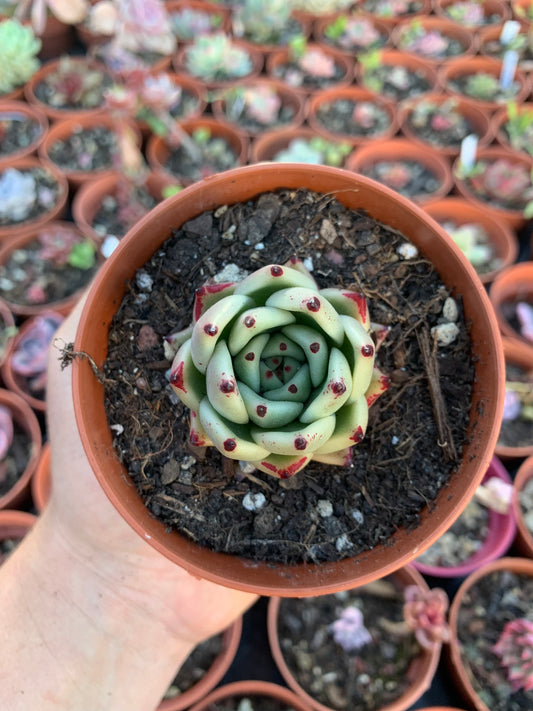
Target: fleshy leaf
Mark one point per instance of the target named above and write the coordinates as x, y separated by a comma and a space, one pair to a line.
267, 280
279, 345
247, 363
297, 264
269, 379
269, 413
360, 355
254, 321
341, 458
297, 389
222, 389
378, 385
185, 379
233, 441
350, 427
335, 391
197, 435
293, 439
348, 303
315, 348
281, 466
208, 295
172, 342
308, 303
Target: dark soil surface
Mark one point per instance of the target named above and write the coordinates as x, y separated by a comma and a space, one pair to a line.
517, 432
7, 546
494, 600
396, 84
279, 38
248, 703
241, 116
47, 192
186, 106
362, 680
422, 182
86, 150
337, 117
216, 155
17, 131
294, 76
444, 138
460, 85
15, 461
399, 467
195, 666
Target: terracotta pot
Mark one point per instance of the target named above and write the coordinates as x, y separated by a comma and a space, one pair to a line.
357, 95
11, 109
157, 151
270, 143
64, 306
520, 354
179, 63
513, 284
446, 28
501, 532
276, 60
7, 321
456, 68
15, 95
322, 23
57, 38
15, 524
41, 74
478, 120
251, 688
423, 9
498, 123
353, 191
490, 8
440, 708
524, 537
230, 643
305, 23
41, 481
514, 218
289, 98
25, 419
394, 58
173, 7
461, 677
489, 45
502, 237
422, 670
88, 200
62, 130
7, 232
17, 383
522, 10
399, 149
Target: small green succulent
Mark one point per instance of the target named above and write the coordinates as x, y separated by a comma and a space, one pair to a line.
217, 58
18, 55
276, 371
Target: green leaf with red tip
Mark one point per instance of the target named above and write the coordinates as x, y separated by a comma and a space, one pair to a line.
187, 382
297, 389
268, 413
350, 427
233, 441
253, 322
197, 435
299, 266
208, 329
172, 342
293, 439
315, 348
348, 303
341, 458
379, 384
311, 305
359, 349
282, 467
335, 390
267, 280
208, 295
221, 385
247, 362
280, 345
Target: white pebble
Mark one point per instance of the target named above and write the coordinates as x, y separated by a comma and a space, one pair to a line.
357, 516
450, 311
324, 508
395, 440
144, 281
308, 264
343, 543
445, 333
407, 251
109, 245
254, 502
231, 272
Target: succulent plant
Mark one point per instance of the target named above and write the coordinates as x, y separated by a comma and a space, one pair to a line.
321, 7
188, 23
505, 181
68, 12
349, 630
143, 26
18, 54
519, 127
262, 21
75, 84
216, 57
30, 357
424, 612
524, 314
64, 245
515, 650
427, 43
276, 371
316, 151
352, 32
439, 117
261, 103
466, 13
473, 240
6, 431
18, 194
482, 86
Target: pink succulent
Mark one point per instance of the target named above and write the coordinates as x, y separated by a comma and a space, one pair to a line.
395, 175
262, 103
317, 63
515, 650
6, 431
424, 612
144, 26
35, 294
159, 93
57, 243
364, 114
431, 44
504, 179
440, 122
524, 314
30, 357
349, 630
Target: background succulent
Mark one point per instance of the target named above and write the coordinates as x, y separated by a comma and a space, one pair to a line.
277, 371
515, 650
18, 54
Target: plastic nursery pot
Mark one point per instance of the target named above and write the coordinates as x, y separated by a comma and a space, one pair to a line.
496, 9
524, 537
57, 210
397, 150
498, 122
390, 17
276, 60
158, 151
248, 688
446, 28
21, 111
501, 237
357, 95
513, 217
461, 677
488, 41
519, 354
221, 13
322, 23
65, 305
266, 146
501, 532
511, 286
459, 68
7, 330
41, 481
25, 419
54, 114
230, 643
421, 671
414, 65
57, 38
14, 525
353, 191
64, 129
290, 99
479, 122
304, 21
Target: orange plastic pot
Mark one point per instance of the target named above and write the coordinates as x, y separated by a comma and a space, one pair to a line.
478, 120
422, 670
230, 644
322, 23
522, 10
41, 481
355, 192
502, 238
524, 537
357, 95
519, 354
11, 109
15, 524
57, 38
446, 28
498, 123
399, 149
461, 676
490, 7
266, 146
25, 419
277, 59
512, 285
239, 689
305, 27
391, 20
8, 232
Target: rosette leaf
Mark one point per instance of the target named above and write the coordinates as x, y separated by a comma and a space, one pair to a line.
277, 372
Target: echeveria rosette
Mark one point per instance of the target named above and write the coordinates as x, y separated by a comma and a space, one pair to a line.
276, 371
